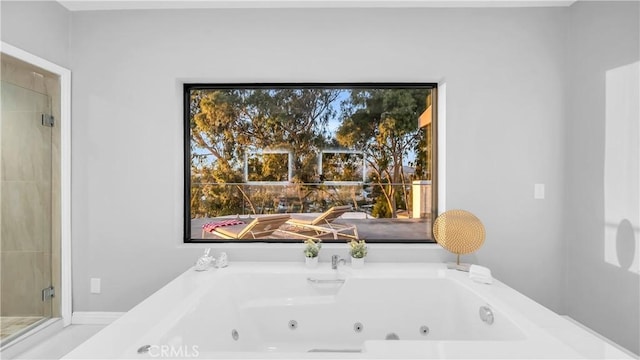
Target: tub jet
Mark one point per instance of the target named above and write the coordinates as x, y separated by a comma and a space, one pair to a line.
357, 327
486, 314
424, 330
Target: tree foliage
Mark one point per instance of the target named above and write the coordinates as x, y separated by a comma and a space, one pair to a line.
229, 124
383, 123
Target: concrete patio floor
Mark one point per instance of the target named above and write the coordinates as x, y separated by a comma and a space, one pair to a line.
368, 228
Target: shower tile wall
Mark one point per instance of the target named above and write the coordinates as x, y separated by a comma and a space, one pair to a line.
29, 210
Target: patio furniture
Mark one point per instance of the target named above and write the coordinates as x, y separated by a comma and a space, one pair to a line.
211, 226
324, 224
260, 227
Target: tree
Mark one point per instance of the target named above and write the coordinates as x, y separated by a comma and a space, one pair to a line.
227, 124
384, 124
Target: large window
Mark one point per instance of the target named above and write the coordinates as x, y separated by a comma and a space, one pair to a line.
355, 159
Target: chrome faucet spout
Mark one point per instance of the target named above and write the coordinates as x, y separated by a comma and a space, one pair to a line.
335, 260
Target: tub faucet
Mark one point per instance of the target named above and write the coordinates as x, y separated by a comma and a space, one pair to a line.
335, 260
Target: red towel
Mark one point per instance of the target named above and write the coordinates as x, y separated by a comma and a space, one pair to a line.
209, 227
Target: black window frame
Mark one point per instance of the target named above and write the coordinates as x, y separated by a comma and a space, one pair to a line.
187, 87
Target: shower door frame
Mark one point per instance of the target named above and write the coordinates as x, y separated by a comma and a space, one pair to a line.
65, 293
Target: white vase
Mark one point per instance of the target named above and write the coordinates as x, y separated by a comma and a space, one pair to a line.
311, 262
357, 263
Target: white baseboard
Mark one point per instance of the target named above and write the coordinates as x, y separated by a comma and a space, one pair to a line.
94, 317
601, 337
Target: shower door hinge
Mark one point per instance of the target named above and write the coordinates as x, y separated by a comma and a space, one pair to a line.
48, 293
48, 120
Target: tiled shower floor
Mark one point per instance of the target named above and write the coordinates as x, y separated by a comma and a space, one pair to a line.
10, 325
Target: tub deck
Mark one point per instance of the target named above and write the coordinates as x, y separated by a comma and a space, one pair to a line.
239, 313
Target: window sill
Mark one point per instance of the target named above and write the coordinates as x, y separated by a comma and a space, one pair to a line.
431, 252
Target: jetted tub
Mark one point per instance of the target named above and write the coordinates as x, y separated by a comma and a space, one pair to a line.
284, 310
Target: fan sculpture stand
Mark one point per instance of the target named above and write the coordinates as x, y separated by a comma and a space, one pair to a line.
456, 265
460, 232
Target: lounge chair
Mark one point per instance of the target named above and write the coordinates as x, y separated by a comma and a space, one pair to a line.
209, 228
260, 227
324, 224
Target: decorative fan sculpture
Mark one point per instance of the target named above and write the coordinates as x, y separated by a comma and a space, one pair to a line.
460, 232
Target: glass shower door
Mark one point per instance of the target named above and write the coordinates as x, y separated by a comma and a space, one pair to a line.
25, 210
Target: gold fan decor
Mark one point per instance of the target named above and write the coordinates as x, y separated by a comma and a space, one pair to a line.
460, 232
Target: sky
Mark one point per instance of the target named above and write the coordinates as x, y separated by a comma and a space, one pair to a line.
334, 124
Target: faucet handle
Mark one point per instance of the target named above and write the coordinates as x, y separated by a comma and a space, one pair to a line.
335, 260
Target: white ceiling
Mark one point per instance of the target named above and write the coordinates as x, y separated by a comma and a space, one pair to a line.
88, 5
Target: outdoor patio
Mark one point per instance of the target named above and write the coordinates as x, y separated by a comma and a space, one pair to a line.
369, 228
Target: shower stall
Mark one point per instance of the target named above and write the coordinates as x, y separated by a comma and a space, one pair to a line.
29, 197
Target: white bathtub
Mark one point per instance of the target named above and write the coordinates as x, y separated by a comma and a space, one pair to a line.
273, 310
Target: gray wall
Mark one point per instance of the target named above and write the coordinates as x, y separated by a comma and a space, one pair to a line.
505, 113
602, 289
525, 105
39, 27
